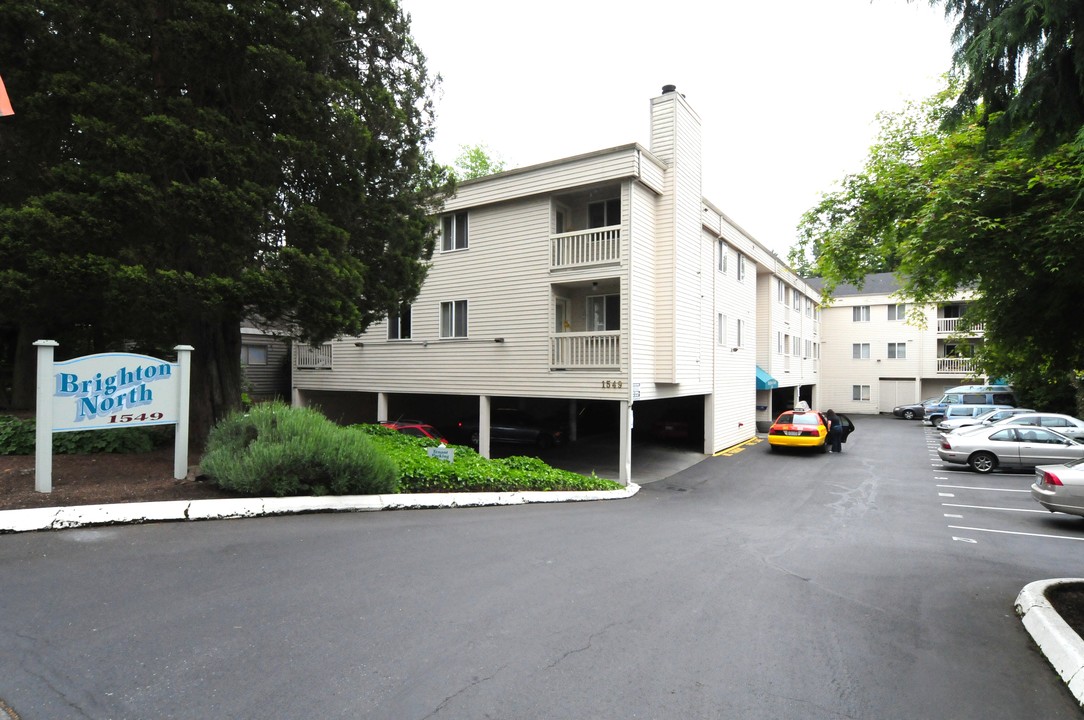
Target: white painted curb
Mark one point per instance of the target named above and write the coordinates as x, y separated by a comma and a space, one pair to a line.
1059, 642
59, 518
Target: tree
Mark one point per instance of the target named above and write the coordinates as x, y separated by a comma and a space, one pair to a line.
175, 167
947, 209
1022, 64
475, 161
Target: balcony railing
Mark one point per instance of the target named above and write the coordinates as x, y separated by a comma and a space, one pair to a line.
948, 326
955, 366
312, 358
586, 350
590, 247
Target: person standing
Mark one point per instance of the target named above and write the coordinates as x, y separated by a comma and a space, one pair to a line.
835, 432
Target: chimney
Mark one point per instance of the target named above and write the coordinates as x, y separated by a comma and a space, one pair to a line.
668, 89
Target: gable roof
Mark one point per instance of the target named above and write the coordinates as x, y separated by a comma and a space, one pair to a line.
874, 284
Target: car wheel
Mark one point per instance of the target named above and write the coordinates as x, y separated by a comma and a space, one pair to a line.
545, 441
982, 462
824, 447
771, 448
908, 414
935, 420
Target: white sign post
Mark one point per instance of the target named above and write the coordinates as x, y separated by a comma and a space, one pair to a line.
109, 390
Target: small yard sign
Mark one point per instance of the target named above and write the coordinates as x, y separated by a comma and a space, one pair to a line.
442, 453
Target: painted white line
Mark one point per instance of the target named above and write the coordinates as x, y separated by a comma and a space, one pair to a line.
958, 517
938, 477
966, 540
971, 487
986, 507
946, 495
1010, 532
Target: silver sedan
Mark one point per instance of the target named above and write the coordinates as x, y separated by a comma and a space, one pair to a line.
987, 448
1060, 488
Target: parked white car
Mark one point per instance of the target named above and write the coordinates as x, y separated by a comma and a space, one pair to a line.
989, 417
1064, 424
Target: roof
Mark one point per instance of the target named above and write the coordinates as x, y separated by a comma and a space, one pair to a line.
874, 284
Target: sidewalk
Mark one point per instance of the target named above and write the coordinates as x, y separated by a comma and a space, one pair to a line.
60, 518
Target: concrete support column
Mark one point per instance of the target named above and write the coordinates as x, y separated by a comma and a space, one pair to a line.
381, 407
484, 405
624, 461
573, 430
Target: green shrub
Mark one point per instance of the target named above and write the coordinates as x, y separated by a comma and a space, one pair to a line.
470, 472
277, 450
17, 438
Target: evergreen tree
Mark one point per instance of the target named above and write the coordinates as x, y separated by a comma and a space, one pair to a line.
176, 167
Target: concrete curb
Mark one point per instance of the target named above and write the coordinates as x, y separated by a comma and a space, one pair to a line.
60, 518
1059, 642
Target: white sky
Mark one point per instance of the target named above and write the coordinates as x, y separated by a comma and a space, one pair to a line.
787, 92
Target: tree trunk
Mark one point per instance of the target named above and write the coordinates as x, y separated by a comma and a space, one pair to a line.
216, 376
24, 374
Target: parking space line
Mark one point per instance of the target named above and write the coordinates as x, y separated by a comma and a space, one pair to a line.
969, 487
1011, 532
986, 507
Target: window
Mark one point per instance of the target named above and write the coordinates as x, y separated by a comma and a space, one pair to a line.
897, 351
399, 323
797, 299
808, 349
860, 392
779, 342
860, 351
722, 329
897, 312
604, 213
860, 313
808, 308
796, 346
782, 291
741, 266
741, 332
816, 351
724, 251
603, 312
454, 232
253, 354
453, 319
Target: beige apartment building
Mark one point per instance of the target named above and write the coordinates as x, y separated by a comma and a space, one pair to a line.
880, 351
602, 290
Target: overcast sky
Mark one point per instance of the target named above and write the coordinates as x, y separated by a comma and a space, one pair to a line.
787, 91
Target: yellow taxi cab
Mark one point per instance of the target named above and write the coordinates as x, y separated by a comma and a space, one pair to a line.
799, 428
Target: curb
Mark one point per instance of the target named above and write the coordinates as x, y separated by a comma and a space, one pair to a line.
61, 518
1059, 642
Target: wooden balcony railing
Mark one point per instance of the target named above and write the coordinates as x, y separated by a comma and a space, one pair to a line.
586, 350
955, 366
590, 247
312, 358
948, 326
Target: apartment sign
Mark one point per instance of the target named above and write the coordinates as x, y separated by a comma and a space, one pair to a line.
113, 390
109, 390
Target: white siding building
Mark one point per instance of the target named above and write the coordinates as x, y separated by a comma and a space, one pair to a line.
880, 351
599, 285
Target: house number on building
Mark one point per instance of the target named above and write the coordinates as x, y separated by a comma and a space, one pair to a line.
612, 384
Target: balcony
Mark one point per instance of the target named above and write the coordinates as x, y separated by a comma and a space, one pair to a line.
950, 326
313, 358
955, 365
598, 246
585, 350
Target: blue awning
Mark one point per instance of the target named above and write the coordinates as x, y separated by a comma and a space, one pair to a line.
765, 381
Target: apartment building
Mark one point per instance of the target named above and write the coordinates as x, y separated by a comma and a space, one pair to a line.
601, 290
880, 351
